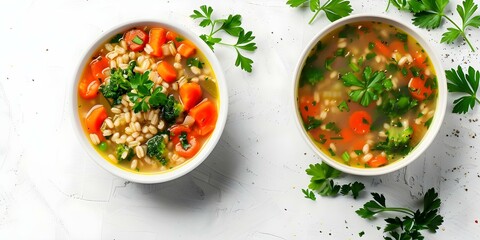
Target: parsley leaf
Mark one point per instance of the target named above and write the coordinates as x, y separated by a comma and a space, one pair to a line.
321, 181
412, 222
466, 12
183, 140
368, 89
430, 13
232, 26
309, 194
312, 123
463, 83
334, 9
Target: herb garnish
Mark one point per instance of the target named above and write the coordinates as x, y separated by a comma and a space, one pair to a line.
334, 9
184, 141
312, 123
370, 86
429, 14
343, 106
464, 83
412, 223
142, 95
322, 182
232, 26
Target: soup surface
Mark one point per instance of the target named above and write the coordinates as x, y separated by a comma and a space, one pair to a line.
367, 94
148, 100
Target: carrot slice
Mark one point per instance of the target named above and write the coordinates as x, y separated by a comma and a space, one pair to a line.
97, 66
190, 94
95, 118
167, 71
308, 107
360, 122
156, 39
176, 130
377, 161
136, 39
186, 50
397, 46
383, 49
418, 90
193, 148
88, 88
205, 115
420, 60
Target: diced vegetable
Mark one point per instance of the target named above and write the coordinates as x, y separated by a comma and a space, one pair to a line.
418, 90
186, 50
167, 71
88, 88
377, 161
136, 39
95, 118
189, 146
156, 147
97, 66
308, 107
382, 49
190, 94
205, 115
360, 122
156, 39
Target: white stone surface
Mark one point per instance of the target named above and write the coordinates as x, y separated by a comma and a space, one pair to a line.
250, 186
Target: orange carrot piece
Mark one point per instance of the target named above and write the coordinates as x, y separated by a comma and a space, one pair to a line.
136, 39
418, 90
94, 120
97, 66
157, 37
360, 122
308, 107
205, 115
167, 72
186, 50
88, 88
397, 46
191, 150
383, 49
190, 94
377, 161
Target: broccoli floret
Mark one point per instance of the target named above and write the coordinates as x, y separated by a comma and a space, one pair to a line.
398, 141
119, 83
171, 110
124, 153
156, 147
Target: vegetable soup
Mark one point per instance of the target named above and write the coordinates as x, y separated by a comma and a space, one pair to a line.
367, 94
148, 100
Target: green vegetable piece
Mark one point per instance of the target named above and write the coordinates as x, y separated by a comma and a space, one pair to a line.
124, 153
195, 62
137, 40
312, 123
116, 38
343, 106
184, 141
103, 146
156, 147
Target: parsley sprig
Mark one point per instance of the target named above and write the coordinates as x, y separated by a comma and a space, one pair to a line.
232, 26
321, 181
429, 14
142, 95
463, 83
410, 225
334, 9
369, 88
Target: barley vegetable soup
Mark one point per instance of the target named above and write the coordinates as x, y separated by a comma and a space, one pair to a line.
367, 94
148, 100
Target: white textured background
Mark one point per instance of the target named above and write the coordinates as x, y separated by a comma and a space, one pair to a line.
249, 188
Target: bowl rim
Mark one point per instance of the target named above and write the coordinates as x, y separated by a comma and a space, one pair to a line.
207, 148
439, 111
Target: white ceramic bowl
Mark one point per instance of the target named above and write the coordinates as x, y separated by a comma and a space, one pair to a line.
206, 149
439, 112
